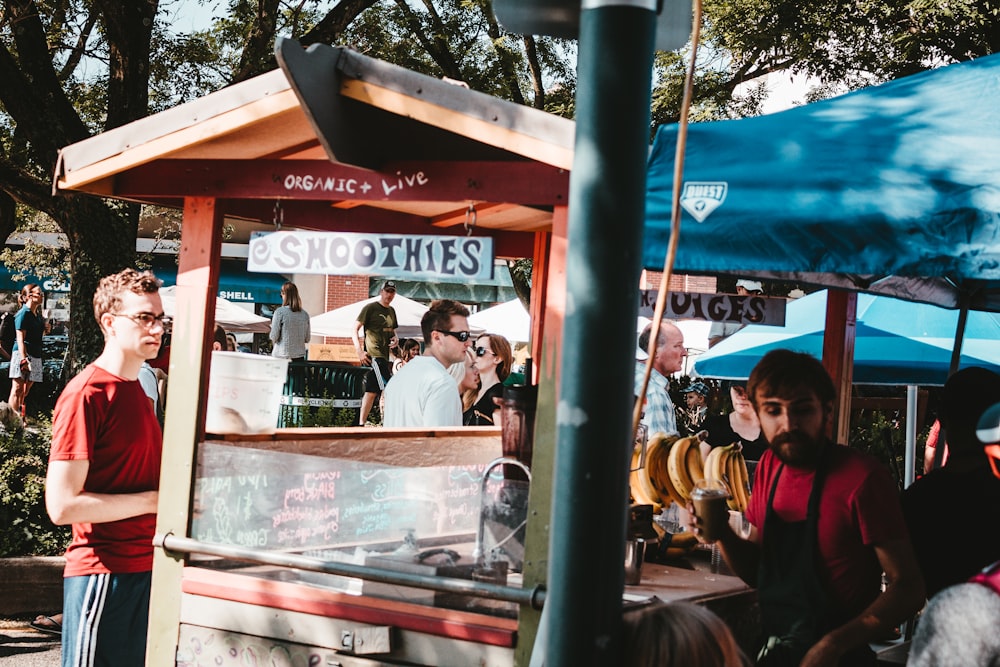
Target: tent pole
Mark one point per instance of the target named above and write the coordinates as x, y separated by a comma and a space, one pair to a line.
909, 460
963, 317
956, 359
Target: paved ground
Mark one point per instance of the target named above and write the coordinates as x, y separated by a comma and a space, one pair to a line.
23, 646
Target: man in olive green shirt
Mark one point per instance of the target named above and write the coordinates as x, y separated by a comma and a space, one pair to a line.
379, 321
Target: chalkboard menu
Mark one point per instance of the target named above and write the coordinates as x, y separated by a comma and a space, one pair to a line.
292, 502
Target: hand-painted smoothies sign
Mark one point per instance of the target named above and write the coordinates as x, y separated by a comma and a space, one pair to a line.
716, 307
395, 255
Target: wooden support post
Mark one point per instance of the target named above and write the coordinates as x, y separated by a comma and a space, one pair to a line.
547, 310
187, 387
838, 355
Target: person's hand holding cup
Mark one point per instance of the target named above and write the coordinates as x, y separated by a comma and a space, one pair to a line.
710, 513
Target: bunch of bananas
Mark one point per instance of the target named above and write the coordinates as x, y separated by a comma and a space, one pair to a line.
673, 465
643, 490
727, 463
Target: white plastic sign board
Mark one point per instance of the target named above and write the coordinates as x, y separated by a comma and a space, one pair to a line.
746, 309
405, 256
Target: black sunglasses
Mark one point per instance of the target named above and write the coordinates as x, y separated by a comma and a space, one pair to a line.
462, 336
481, 352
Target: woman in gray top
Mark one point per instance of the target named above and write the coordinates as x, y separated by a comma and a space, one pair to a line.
290, 326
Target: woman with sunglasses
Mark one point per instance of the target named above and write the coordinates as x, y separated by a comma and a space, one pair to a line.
493, 359
26, 357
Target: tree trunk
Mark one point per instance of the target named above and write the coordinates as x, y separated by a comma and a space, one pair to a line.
103, 243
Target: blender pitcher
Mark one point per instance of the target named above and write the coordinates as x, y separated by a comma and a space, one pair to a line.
517, 430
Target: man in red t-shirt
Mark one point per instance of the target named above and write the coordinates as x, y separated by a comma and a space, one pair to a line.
104, 468
825, 524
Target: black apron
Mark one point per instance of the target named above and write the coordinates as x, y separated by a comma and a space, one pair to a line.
796, 610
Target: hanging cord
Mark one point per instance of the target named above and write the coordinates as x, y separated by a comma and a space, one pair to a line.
471, 216
675, 217
279, 215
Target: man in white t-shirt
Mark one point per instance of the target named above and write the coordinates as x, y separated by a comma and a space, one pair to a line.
423, 393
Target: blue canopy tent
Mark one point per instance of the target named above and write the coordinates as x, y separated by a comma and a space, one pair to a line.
893, 189
896, 342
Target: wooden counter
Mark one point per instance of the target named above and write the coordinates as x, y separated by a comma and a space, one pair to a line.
691, 579
312, 491
247, 611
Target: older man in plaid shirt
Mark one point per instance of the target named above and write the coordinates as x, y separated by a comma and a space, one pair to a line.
668, 358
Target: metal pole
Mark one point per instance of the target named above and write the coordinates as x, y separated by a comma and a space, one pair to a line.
535, 597
593, 431
909, 459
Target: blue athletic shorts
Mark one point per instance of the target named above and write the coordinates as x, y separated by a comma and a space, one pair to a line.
104, 620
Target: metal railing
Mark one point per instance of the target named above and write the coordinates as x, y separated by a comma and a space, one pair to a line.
533, 597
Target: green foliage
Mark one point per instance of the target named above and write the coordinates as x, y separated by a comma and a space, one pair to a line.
324, 415
302, 416
27, 528
45, 252
844, 46
881, 433
163, 226
461, 39
520, 274
345, 417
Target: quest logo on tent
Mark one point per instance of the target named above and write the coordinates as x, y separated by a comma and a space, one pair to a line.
700, 198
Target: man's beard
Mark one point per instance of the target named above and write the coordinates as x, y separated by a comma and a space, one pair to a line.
797, 449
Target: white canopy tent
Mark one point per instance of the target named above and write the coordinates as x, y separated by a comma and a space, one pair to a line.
230, 316
340, 322
510, 320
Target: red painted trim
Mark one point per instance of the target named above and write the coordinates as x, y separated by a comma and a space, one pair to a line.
553, 301
521, 182
290, 596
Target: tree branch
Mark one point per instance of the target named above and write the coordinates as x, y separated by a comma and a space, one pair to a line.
443, 59
505, 55
30, 90
332, 26
8, 216
79, 49
23, 187
128, 29
535, 68
258, 51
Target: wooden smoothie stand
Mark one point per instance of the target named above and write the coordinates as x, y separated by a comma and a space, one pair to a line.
488, 168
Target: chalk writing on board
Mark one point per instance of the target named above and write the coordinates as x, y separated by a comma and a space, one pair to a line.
278, 500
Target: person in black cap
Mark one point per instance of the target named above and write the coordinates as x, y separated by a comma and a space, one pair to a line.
958, 625
963, 496
379, 321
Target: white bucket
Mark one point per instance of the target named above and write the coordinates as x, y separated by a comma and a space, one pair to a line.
244, 392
